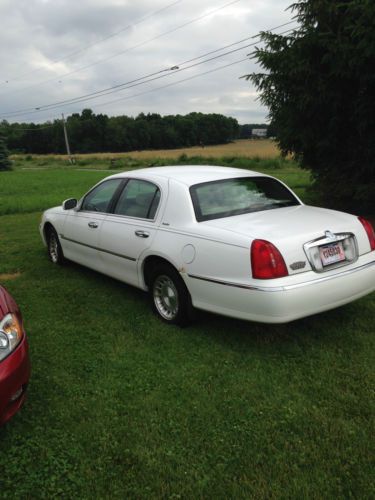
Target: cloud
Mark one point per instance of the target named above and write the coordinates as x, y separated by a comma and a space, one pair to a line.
61, 49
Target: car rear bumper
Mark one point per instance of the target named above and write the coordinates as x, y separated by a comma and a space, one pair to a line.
289, 301
14, 378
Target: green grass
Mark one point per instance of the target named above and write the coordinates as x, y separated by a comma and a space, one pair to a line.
122, 406
33, 188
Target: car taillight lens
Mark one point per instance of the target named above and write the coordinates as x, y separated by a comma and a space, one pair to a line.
266, 261
369, 230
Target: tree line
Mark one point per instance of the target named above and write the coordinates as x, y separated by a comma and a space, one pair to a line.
91, 133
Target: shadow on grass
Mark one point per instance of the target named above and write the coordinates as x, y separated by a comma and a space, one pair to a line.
324, 329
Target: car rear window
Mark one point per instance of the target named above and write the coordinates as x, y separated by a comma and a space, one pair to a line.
228, 197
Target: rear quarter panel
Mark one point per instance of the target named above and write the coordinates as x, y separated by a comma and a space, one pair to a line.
194, 248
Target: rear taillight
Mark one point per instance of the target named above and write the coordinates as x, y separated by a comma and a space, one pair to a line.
266, 261
369, 230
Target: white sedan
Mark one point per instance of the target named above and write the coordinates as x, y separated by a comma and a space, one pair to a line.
225, 240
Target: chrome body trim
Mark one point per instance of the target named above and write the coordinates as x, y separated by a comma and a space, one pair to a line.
287, 287
328, 238
98, 249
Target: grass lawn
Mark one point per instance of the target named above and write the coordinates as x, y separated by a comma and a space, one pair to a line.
122, 406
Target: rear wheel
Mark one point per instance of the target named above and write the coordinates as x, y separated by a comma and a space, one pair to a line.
170, 298
55, 252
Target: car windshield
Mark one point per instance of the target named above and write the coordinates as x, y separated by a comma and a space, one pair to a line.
228, 197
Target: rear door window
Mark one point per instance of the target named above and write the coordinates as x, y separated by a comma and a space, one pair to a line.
138, 199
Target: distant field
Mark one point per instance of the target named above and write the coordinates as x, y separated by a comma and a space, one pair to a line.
244, 147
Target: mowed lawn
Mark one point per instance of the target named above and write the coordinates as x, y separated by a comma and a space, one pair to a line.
122, 406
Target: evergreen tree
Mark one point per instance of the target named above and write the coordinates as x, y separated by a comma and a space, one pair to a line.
5, 163
318, 83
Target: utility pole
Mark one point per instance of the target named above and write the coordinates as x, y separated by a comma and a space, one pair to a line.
71, 159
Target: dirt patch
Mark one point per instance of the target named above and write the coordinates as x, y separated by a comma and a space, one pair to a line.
9, 276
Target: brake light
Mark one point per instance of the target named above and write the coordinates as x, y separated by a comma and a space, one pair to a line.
369, 230
266, 261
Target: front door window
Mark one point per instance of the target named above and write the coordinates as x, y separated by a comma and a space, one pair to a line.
99, 198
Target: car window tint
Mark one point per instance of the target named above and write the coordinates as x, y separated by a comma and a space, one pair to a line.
138, 199
99, 198
228, 197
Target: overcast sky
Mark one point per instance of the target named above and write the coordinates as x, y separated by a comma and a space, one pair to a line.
56, 50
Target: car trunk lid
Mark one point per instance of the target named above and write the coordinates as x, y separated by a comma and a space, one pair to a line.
307, 237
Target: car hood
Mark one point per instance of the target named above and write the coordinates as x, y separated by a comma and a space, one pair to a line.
7, 304
289, 228
57, 209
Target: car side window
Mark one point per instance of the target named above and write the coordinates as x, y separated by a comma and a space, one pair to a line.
99, 198
138, 199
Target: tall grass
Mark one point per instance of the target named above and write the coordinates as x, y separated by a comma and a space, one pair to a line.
247, 148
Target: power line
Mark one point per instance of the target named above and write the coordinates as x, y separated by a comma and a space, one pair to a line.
140, 81
85, 48
174, 83
141, 44
175, 68
135, 83
240, 41
35, 129
188, 78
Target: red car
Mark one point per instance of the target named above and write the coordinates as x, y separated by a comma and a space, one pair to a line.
14, 358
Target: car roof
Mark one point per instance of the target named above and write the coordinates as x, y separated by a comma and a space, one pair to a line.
190, 174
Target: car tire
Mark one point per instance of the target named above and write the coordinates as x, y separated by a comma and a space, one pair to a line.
169, 296
55, 252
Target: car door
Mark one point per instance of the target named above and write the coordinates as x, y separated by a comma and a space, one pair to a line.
80, 235
129, 230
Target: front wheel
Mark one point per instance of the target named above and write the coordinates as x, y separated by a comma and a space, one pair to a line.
55, 252
170, 298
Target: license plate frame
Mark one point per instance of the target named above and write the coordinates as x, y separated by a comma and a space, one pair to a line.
332, 253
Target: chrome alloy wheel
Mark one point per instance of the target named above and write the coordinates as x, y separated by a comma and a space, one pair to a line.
165, 297
53, 247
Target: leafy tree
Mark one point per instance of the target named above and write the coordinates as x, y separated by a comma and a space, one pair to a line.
5, 163
319, 85
91, 133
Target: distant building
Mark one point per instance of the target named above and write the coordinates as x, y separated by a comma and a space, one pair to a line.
259, 133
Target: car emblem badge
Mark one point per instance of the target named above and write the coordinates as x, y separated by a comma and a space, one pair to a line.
298, 265
329, 235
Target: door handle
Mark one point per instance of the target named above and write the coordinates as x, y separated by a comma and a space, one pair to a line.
93, 225
142, 234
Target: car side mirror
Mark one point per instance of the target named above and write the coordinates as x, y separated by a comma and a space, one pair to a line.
69, 204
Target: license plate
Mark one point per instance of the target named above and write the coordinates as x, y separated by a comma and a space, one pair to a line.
332, 253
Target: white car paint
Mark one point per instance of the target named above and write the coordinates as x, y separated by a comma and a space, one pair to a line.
213, 256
